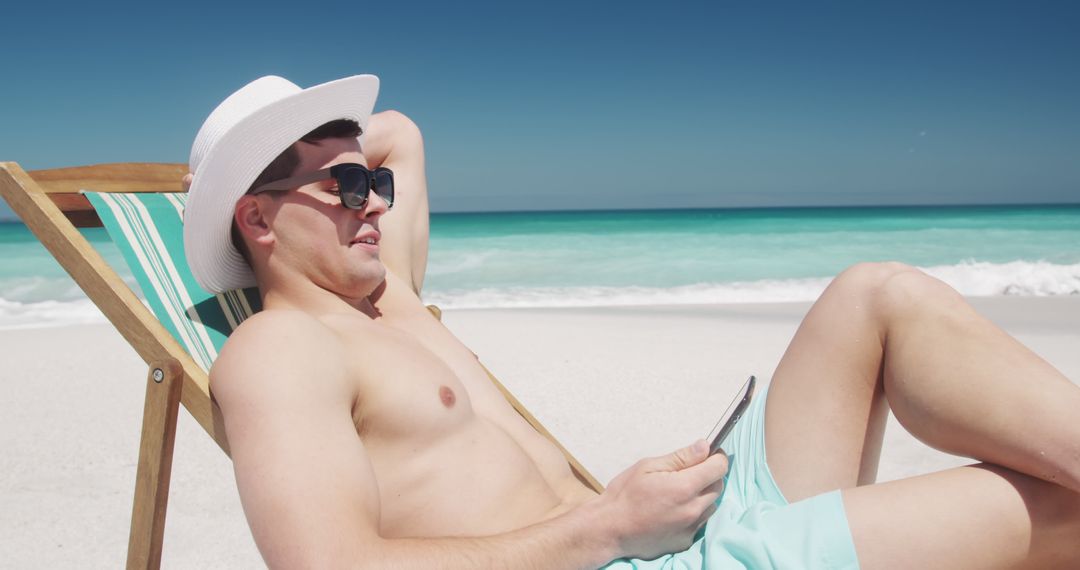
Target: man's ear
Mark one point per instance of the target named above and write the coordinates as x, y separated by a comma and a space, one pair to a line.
251, 218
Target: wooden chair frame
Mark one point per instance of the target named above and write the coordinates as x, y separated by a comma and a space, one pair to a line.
49, 203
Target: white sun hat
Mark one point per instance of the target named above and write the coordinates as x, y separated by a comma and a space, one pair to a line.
239, 139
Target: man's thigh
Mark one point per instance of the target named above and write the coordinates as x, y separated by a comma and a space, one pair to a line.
825, 414
981, 516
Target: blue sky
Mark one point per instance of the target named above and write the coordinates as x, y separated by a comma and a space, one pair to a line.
561, 105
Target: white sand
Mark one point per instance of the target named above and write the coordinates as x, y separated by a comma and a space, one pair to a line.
613, 384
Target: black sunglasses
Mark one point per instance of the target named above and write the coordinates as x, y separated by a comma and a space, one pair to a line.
354, 182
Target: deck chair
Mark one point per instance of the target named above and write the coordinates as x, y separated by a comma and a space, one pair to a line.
141, 206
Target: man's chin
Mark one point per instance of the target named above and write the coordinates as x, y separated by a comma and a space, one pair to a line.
371, 281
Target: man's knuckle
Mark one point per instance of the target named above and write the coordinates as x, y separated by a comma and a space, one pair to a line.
722, 462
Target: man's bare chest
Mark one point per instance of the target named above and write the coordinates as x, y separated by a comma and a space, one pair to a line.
435, 446
415, 380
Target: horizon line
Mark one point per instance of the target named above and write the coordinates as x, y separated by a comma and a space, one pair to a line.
17, 219
795, 207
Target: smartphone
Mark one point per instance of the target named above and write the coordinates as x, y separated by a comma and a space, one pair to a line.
734, 411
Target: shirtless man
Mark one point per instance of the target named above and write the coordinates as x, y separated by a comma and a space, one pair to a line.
364, 434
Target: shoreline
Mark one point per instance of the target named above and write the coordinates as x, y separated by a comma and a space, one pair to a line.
1003, 309
613, 384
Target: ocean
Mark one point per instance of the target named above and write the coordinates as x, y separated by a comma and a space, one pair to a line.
578, 259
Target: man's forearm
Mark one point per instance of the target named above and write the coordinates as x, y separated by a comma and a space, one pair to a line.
576, 539
390, 135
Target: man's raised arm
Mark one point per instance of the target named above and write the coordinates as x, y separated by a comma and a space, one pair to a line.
394, 141
311, 498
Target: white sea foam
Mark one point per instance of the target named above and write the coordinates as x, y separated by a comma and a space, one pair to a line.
1034, 279
47, 300
16, 315
977, 279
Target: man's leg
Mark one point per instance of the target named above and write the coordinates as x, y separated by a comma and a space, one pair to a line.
971, 517
889, 335
885, 334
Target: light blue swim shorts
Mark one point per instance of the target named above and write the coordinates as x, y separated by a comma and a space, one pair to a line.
754, 526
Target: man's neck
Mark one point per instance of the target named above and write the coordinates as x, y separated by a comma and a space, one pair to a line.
309, 298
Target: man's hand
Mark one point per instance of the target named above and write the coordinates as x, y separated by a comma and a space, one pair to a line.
656, 506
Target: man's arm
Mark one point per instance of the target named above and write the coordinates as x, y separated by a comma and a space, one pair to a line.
653, 508
394, 141
311, 497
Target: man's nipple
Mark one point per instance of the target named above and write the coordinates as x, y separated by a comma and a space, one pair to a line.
447, 396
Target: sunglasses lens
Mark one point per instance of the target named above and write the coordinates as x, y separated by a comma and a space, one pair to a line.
384, 186
353, 184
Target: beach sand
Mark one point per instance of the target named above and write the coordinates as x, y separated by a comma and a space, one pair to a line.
613, 384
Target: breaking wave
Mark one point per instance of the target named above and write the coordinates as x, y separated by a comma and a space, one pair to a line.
975, 279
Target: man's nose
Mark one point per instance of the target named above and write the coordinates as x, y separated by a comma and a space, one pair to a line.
375, 206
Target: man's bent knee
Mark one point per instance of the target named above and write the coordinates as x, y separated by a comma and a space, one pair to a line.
869, 279
907, 291
890, 288
872, 273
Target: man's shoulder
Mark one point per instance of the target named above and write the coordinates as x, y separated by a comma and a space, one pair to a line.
278, 351
278, 333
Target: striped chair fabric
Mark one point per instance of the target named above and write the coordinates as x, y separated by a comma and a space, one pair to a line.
148, 229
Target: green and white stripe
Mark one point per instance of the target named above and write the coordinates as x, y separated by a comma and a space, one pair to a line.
148, 229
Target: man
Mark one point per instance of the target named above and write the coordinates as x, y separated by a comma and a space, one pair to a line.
364, 434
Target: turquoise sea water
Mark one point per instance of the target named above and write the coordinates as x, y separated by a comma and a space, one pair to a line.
665, 256
687, 256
